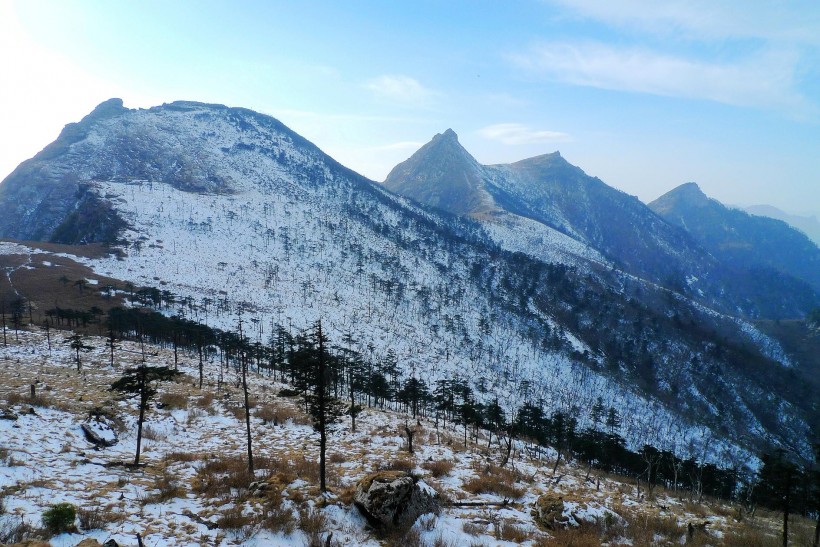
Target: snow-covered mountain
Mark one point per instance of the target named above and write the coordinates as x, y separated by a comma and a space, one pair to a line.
552, 210
744, 239
243, 219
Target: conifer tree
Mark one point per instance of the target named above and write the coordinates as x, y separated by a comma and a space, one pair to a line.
140, 381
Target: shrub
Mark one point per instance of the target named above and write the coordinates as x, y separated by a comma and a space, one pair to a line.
16, 531
399, 464
95, 518
173, 400
59, 518
502, 485
276, 517
220, 476
510, 532
234, 520
438, 468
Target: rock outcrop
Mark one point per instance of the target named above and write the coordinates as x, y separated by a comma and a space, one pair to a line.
548, 511
394, 499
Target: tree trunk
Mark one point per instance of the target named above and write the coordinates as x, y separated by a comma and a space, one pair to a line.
786, 504
509, 443
143, 404
410, 434
247, 411
201, 365
321, 403
557, 461
817, 533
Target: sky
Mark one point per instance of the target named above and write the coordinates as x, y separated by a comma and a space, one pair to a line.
646, 95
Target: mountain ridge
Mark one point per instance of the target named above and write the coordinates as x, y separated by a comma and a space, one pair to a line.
745, 239
612, 227
241, 219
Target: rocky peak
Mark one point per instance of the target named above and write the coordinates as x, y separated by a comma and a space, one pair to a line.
444, 175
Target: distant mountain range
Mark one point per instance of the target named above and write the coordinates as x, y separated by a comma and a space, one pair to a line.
532, 281
547, 193
748, 241
808, 224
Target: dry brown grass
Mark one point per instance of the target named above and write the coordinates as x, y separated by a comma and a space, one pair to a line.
173, 400
39, 400
275, 517
223, 478
509, 531
278, 413
152, 434
182, 457
41, 284
398, 464
337, 457
751, 537
241, 525
495, 480
438, 468
96, 518
305, 469
643, 528
474, 528
167, 486
205, 401
582, 536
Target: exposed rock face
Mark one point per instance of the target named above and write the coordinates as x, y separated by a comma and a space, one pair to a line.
548, 510
394, 499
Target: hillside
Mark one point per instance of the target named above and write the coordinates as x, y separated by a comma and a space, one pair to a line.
228, 216
748, 241
193, 486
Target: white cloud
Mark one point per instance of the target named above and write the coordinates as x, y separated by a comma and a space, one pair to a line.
765, 79
400, 89
516, 133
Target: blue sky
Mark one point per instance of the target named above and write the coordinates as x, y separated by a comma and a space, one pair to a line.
645, 95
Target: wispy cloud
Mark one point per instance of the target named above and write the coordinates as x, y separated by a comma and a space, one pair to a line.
400, 89
516, 133
764, 79
796, 22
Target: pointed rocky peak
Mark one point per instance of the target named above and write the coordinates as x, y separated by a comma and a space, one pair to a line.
685, 196
444, 175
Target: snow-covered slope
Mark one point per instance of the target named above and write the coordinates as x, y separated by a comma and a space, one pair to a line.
242, 219
191, 487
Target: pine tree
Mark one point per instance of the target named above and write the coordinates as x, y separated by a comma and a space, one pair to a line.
77, 343
141, 382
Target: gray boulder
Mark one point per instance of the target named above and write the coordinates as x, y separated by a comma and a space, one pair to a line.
100, 429
394, 499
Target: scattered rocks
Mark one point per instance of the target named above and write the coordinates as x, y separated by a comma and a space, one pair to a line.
7, 414
394, 499
548, 511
